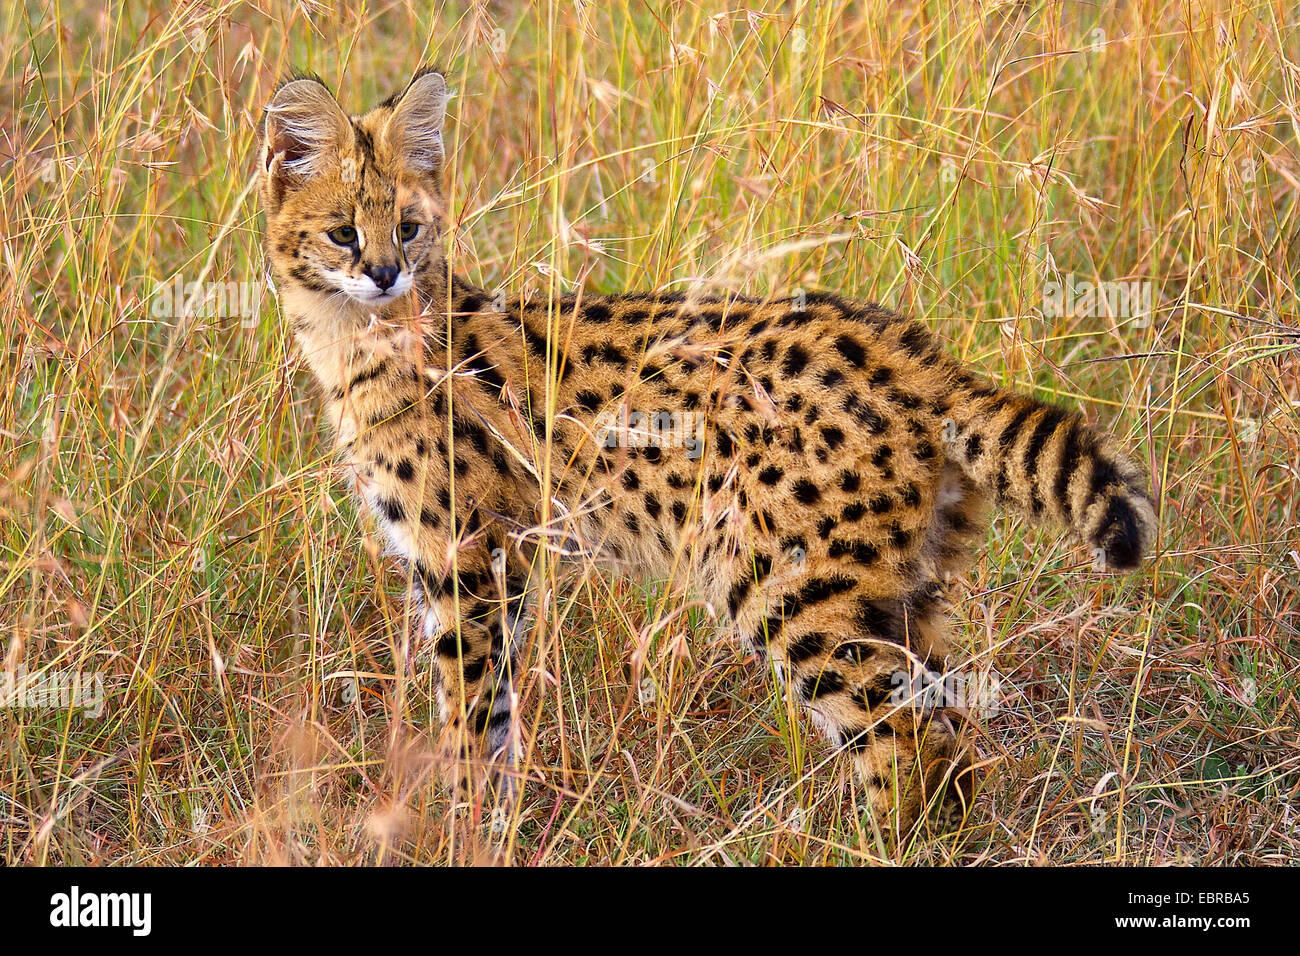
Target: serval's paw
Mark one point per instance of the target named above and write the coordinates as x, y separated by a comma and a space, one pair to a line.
914, 763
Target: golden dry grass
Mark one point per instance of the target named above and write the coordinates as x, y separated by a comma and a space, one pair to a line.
171, 522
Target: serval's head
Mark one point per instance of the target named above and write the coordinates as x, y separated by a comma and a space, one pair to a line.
353, 203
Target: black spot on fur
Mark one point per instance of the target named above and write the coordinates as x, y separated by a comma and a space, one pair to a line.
862, 552
1051, 418
875, 621
1071, 450
806, 492
851, 349
1012, 430
739, 591
819, 685
796, 360
832, 377
1120, 534
806, 647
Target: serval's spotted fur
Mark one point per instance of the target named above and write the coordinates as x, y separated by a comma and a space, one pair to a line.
845, 464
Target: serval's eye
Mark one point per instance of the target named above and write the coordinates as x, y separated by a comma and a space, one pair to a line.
408, 231
343, 235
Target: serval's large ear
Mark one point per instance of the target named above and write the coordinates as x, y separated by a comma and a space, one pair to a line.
304, 133
414, 131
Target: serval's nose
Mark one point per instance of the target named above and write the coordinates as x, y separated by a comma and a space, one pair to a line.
383, 276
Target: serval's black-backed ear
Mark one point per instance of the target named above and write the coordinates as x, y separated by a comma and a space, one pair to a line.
414, 131
304, 131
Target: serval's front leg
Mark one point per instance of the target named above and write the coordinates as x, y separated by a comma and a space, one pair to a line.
475, 616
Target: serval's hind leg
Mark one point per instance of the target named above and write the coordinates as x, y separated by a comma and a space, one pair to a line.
858, 679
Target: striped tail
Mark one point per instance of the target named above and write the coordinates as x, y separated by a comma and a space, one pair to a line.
1045, 461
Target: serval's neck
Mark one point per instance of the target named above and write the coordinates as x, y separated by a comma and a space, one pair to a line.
340, 337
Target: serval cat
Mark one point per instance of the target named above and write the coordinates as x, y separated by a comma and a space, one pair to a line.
833, 470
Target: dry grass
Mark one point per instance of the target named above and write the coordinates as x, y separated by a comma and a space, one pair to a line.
171, 521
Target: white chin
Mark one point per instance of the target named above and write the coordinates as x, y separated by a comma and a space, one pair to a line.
376, 298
